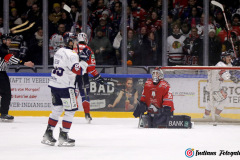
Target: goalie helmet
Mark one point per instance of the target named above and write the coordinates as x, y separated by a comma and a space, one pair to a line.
157, 75
82, 37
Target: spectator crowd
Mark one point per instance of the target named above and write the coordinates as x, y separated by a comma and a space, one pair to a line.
144, 30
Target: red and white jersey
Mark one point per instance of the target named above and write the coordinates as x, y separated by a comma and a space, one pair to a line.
159, 95
216, 77
91, 62
62, 76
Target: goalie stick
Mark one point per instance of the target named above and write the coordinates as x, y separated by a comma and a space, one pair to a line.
215, 3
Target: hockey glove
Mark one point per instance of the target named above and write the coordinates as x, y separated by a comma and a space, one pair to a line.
234, 79
98, 78
84, 54
140, 109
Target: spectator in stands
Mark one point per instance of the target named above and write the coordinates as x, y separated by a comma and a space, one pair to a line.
14, 18
130, 22
36, 47
215, 48
79, 6
154, 57
187, 11
131, 58
219, 21
175, 46
139, 14
66, 20
200, 26
106, 28
74, 13
185, 29
193, 18
116, 19
102, 49
153, 23
140, 46
193, 49
227, 44
97, 13
56, 14
236, 20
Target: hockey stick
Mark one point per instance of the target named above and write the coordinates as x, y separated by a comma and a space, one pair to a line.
221, 6
68, 9
18, 26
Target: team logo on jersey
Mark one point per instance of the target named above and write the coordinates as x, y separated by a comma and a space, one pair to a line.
153, 94
189, 152
176, 44
92, 56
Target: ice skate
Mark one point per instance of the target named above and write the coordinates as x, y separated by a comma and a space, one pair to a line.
6, 118
88, 117
48, 138
64, 140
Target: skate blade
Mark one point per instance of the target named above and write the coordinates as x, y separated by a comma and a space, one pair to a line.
66, 144
6, 120
47, 142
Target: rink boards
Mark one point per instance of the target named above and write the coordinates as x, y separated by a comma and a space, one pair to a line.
31, 95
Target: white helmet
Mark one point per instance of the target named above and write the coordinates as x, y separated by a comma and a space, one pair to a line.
157, 75
82, 37
58, 40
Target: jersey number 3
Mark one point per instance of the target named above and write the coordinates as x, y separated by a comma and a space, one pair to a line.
58, 71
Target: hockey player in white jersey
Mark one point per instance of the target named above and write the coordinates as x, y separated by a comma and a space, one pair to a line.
217, 94
66, 67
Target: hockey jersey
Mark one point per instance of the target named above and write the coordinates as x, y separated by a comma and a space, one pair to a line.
159, 95
216, 77
62, 75
91, 61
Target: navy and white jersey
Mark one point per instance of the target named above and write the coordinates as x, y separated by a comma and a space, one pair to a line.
62, 75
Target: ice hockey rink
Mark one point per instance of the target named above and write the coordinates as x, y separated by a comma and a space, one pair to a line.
115, 139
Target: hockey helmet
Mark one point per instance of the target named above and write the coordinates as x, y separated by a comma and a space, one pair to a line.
82, 37
227, 53
67, 37
157, 75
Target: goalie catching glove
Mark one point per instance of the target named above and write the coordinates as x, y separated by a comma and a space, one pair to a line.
98, 78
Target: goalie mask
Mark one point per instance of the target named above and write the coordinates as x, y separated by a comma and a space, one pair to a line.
157, 75
82, 37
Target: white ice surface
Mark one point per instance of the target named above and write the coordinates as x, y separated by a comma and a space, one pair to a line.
114, 139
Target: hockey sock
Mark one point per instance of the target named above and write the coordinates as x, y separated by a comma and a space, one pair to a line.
52, 123
86, 107
67, 120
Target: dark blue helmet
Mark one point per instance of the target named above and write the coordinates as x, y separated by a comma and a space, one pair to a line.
67, 37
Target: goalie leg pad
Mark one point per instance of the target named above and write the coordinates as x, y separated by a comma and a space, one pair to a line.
145, 121
179, 121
